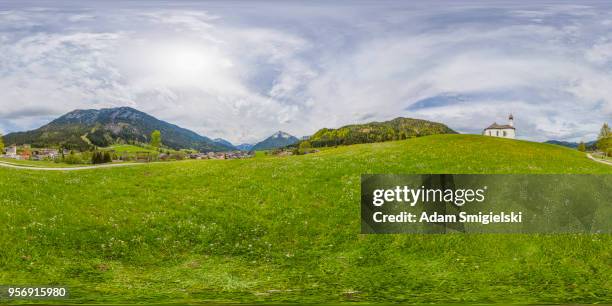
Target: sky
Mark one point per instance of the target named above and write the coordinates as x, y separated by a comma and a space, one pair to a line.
241, 70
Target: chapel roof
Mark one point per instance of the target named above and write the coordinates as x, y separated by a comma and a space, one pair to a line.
496, 126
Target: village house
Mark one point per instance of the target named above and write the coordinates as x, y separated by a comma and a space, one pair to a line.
198, 156
45, 153
499, 130
221, 155
25, 155
11, 152
26, 152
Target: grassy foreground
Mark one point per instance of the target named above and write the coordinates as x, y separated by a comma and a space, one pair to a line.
286, 229
39, 163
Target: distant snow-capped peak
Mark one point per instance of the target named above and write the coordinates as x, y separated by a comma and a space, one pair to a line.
281, 134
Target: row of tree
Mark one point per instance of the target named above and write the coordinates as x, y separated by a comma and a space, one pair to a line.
99, 157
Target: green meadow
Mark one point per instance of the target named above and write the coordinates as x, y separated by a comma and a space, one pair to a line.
130, 149
286, 229
32, 163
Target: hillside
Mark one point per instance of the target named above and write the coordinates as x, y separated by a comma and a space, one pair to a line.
286, 229
279, 139
224, 143
80, 129
131, 149
396, 129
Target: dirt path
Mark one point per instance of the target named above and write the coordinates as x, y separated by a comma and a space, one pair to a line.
26, 167
599, 160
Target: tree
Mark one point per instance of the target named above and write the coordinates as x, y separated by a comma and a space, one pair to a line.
156, 140
101, 157
107, 157
303, 148
581, 146
72, 158
304, 145
26, 152
95, 157
605, 131
1, 144
604, 141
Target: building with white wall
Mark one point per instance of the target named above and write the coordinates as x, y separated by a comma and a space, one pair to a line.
11, 151
499, 130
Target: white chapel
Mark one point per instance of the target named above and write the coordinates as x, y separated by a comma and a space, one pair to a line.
501, 130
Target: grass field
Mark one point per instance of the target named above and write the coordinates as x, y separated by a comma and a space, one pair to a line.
131, 149
38, 163
286, 229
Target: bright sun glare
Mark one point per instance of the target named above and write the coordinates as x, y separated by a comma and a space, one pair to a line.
183, 60
183, 63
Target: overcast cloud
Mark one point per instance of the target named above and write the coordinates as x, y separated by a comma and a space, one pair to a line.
243, 70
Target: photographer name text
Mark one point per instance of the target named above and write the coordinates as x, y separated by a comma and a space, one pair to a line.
412, 196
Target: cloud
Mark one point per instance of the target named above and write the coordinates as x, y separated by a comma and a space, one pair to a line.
600, 53
201, 79
242, 71
54, 72
529, 70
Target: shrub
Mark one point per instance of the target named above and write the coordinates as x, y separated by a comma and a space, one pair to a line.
73, 158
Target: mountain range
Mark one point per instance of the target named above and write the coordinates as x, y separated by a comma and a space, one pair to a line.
589, 145
82, 129
277, 140
223, 142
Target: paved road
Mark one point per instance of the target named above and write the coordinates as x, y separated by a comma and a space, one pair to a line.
17, 166
600, 160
